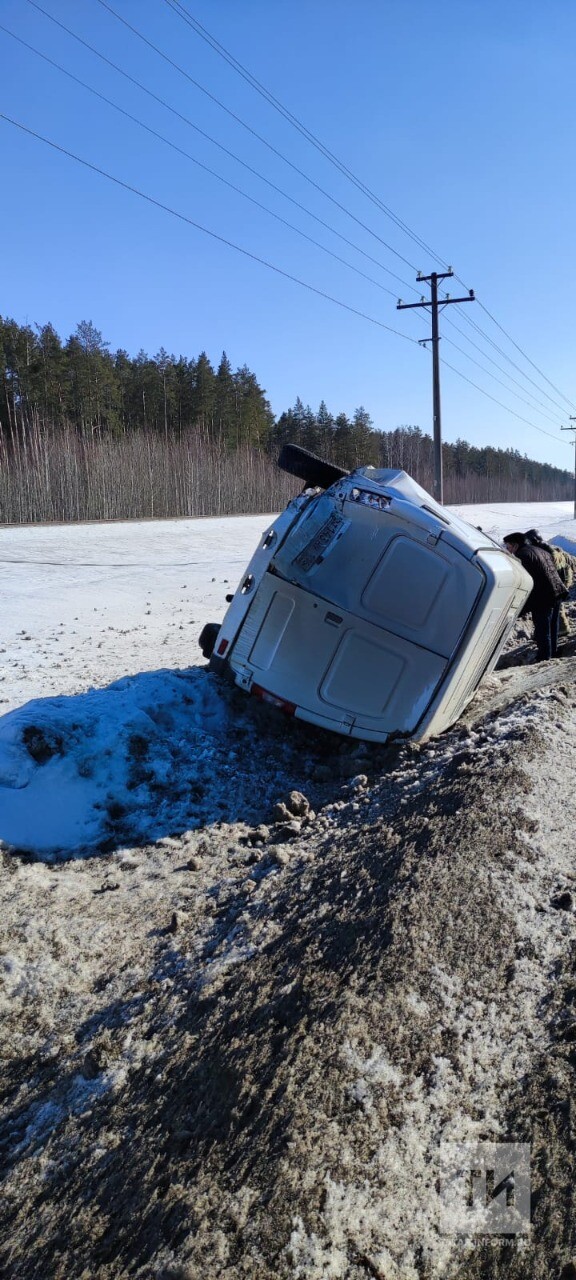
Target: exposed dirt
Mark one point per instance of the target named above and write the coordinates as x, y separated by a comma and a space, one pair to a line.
253, 1059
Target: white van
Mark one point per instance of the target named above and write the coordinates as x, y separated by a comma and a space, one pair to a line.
368, 608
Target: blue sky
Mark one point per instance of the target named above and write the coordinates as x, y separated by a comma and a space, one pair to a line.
458, 115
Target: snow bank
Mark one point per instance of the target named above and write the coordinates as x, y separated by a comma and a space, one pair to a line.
150, 756
74, 769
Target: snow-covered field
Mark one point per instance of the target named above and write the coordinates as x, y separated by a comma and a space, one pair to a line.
236, 1034
99, 647
88, 604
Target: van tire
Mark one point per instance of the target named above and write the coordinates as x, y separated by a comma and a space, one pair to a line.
207, 638
315, 472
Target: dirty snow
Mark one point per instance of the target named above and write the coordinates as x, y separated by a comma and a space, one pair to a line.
247, 1029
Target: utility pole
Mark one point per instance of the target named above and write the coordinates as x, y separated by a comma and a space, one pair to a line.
573, 419
435, 307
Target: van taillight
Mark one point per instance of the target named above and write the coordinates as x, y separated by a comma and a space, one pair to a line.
222, 647
289, 708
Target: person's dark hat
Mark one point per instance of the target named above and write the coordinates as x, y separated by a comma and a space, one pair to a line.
520, 538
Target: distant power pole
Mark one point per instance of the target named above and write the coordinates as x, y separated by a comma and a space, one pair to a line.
435, 307
573, 419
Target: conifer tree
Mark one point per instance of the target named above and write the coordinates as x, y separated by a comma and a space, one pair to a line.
204, 396
225, 403
53, 373
253, 414
343, 441
164, 364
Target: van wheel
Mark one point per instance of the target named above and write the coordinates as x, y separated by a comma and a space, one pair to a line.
315, 472
207, 638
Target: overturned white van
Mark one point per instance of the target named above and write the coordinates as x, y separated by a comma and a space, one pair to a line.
368, 608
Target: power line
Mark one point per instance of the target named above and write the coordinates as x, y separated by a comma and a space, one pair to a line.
505, 355
255, 134
233, 187
186, 154
526, 357
285, 194
499, 402
254, 257
467, 338
183, 13
434, 304
422, 343
180, 9
195, 161
214, 142
175, 213
206, 230
519, 349
498, 380
573, 442
532, 402
507, 409
246, 196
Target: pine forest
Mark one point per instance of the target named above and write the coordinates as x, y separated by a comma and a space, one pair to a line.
87, 434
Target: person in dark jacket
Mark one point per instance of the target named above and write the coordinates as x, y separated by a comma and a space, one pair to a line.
565, 567
546, 595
